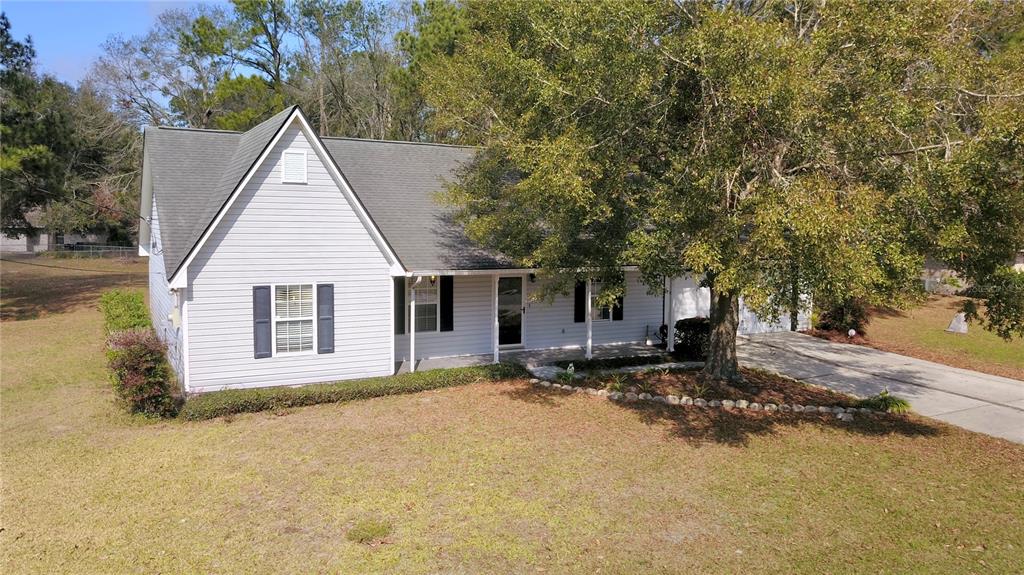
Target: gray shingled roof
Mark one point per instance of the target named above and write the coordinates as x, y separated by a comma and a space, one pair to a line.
398, 183
195, 171
186, 168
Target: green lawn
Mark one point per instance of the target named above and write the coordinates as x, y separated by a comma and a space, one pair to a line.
489, 478
920, 332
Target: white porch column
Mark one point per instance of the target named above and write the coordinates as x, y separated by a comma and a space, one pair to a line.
412, 324
670, 320
494, 326
590, 324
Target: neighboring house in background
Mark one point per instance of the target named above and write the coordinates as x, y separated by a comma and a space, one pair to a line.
278, 257
45, 240
938, 278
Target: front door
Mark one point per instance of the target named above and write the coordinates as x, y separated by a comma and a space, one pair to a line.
510, 311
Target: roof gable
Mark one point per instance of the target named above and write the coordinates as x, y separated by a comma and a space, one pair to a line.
248, 149
196, 173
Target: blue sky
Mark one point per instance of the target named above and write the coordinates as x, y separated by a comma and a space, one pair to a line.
67, 35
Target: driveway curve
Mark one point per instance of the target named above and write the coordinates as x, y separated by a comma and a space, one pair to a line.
977, 401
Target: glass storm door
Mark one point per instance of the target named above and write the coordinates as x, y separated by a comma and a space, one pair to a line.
510, 311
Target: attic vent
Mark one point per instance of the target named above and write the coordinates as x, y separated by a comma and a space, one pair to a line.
293, 167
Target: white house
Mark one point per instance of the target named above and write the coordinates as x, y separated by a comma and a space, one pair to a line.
43, 239
278, 257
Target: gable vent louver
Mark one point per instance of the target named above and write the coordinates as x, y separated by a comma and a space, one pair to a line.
293, 167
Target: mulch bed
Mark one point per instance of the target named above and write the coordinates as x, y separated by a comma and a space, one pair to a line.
759, 386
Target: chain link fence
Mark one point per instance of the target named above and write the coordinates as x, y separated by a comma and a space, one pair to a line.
88, 250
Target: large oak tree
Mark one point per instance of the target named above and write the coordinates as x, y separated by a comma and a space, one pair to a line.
768, 148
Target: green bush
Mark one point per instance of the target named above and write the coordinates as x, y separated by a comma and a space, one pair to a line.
885, 402
124, 309
693, 338
843, 316
141, 375
221, 403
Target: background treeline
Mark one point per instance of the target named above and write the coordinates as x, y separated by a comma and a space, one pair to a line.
73, 153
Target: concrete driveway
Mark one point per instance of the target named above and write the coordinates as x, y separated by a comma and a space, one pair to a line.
976, 401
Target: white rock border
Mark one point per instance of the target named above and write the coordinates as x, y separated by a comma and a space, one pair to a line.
841, 413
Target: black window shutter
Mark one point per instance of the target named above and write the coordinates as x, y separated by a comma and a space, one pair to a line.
447, 303
261, 328
580, 305
400, 305
617, 310
325, 318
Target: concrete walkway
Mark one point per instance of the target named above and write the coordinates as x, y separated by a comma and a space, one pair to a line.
976, 401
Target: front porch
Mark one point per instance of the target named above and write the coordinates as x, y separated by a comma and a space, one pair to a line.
536, 357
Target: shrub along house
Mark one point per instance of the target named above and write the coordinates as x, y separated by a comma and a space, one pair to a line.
278, 257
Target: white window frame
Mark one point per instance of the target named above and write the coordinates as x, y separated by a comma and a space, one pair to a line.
595, 310
437, 305
274, 320
305, 166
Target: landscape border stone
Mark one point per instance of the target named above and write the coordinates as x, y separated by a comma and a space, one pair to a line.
841, 413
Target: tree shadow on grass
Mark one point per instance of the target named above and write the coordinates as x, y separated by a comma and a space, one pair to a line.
735, 427
32, 289
530, 394
885, 312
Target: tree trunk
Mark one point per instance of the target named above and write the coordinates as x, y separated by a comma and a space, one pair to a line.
721, 362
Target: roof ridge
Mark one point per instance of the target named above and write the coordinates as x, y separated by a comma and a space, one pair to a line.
376, 141
346, 138
190, 129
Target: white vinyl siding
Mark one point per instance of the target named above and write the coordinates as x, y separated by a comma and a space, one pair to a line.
472, 315
552, 325
282, 234
545, 325
162, 303
293, 167
691, 300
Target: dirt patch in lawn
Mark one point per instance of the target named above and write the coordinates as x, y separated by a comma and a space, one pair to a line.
759, 386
